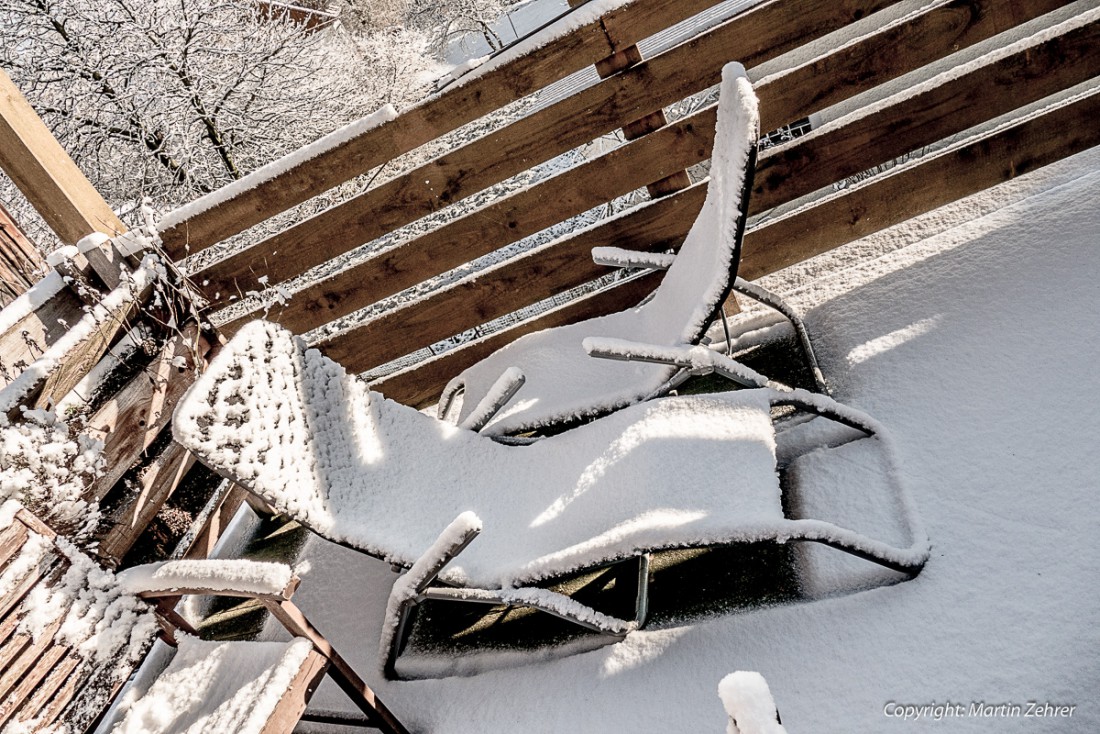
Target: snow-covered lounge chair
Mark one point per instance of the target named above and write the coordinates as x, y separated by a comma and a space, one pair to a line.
245, 687
562, 382
315, 443
73, 631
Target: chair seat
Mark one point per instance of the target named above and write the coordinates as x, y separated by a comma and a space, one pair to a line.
383, 478
218, 687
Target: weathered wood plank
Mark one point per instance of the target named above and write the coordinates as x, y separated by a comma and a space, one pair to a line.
18, 698
914, 41
995, 88
854, 213
452, 108
36, 332
293, 703
421, 385
925, 185
935, 33
887, 132
519, 282
131, 420
763, 33
11, 540
203, 544
48, 687
45, 173
127, 522
500, 223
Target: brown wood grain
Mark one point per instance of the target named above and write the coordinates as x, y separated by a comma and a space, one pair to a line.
21, 265
1034, 72
38, 331
933, 34
925, 185
440, 114
45, 173
293, 703
518, 282
129, 520
45, 691
763, 33
132, 419
854, 213
500, 223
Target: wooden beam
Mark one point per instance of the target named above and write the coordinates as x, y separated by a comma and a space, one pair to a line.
420, 385
455, 106
480, 299
616, 62
924, 185
511, 285
21, 265
36, 332
933, 34
763, 33
500, 223
45, 173
130, 421
128, 521
866, 208
995, 88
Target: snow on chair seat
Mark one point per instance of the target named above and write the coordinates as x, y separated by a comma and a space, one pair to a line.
563, 384
315, 443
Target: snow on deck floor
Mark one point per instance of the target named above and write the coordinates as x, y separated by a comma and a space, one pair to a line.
978, 348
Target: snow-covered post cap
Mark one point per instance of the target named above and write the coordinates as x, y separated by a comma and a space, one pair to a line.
749, 704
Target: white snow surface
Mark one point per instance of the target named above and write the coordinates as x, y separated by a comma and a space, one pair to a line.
291, 160
563, 382
252, 577
216, 687
384, 478
991, 402
749, 703
31, 300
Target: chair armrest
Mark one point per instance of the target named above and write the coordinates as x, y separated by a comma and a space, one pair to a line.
510, 381
698, 359
617, 257
236, 577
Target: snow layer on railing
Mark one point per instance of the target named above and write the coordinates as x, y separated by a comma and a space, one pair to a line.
30, 301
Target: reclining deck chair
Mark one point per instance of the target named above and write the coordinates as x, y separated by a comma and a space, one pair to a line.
70, 633
561, 383
293, 427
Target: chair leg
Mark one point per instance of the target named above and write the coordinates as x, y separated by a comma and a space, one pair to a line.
763, 295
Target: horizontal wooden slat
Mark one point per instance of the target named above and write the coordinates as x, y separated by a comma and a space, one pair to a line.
878, 203
450, 109
505, 221
933, 34
761, 34
895, 129
516, 283
955, 104
421, 385
925, 185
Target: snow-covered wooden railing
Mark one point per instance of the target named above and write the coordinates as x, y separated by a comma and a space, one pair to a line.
1021, 67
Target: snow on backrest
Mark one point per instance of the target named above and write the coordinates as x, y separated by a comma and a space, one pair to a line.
294, 427
703, 268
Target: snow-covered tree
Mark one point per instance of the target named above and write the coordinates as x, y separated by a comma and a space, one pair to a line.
171, 99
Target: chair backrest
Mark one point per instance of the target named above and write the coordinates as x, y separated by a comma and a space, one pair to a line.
69, 637
699, 280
